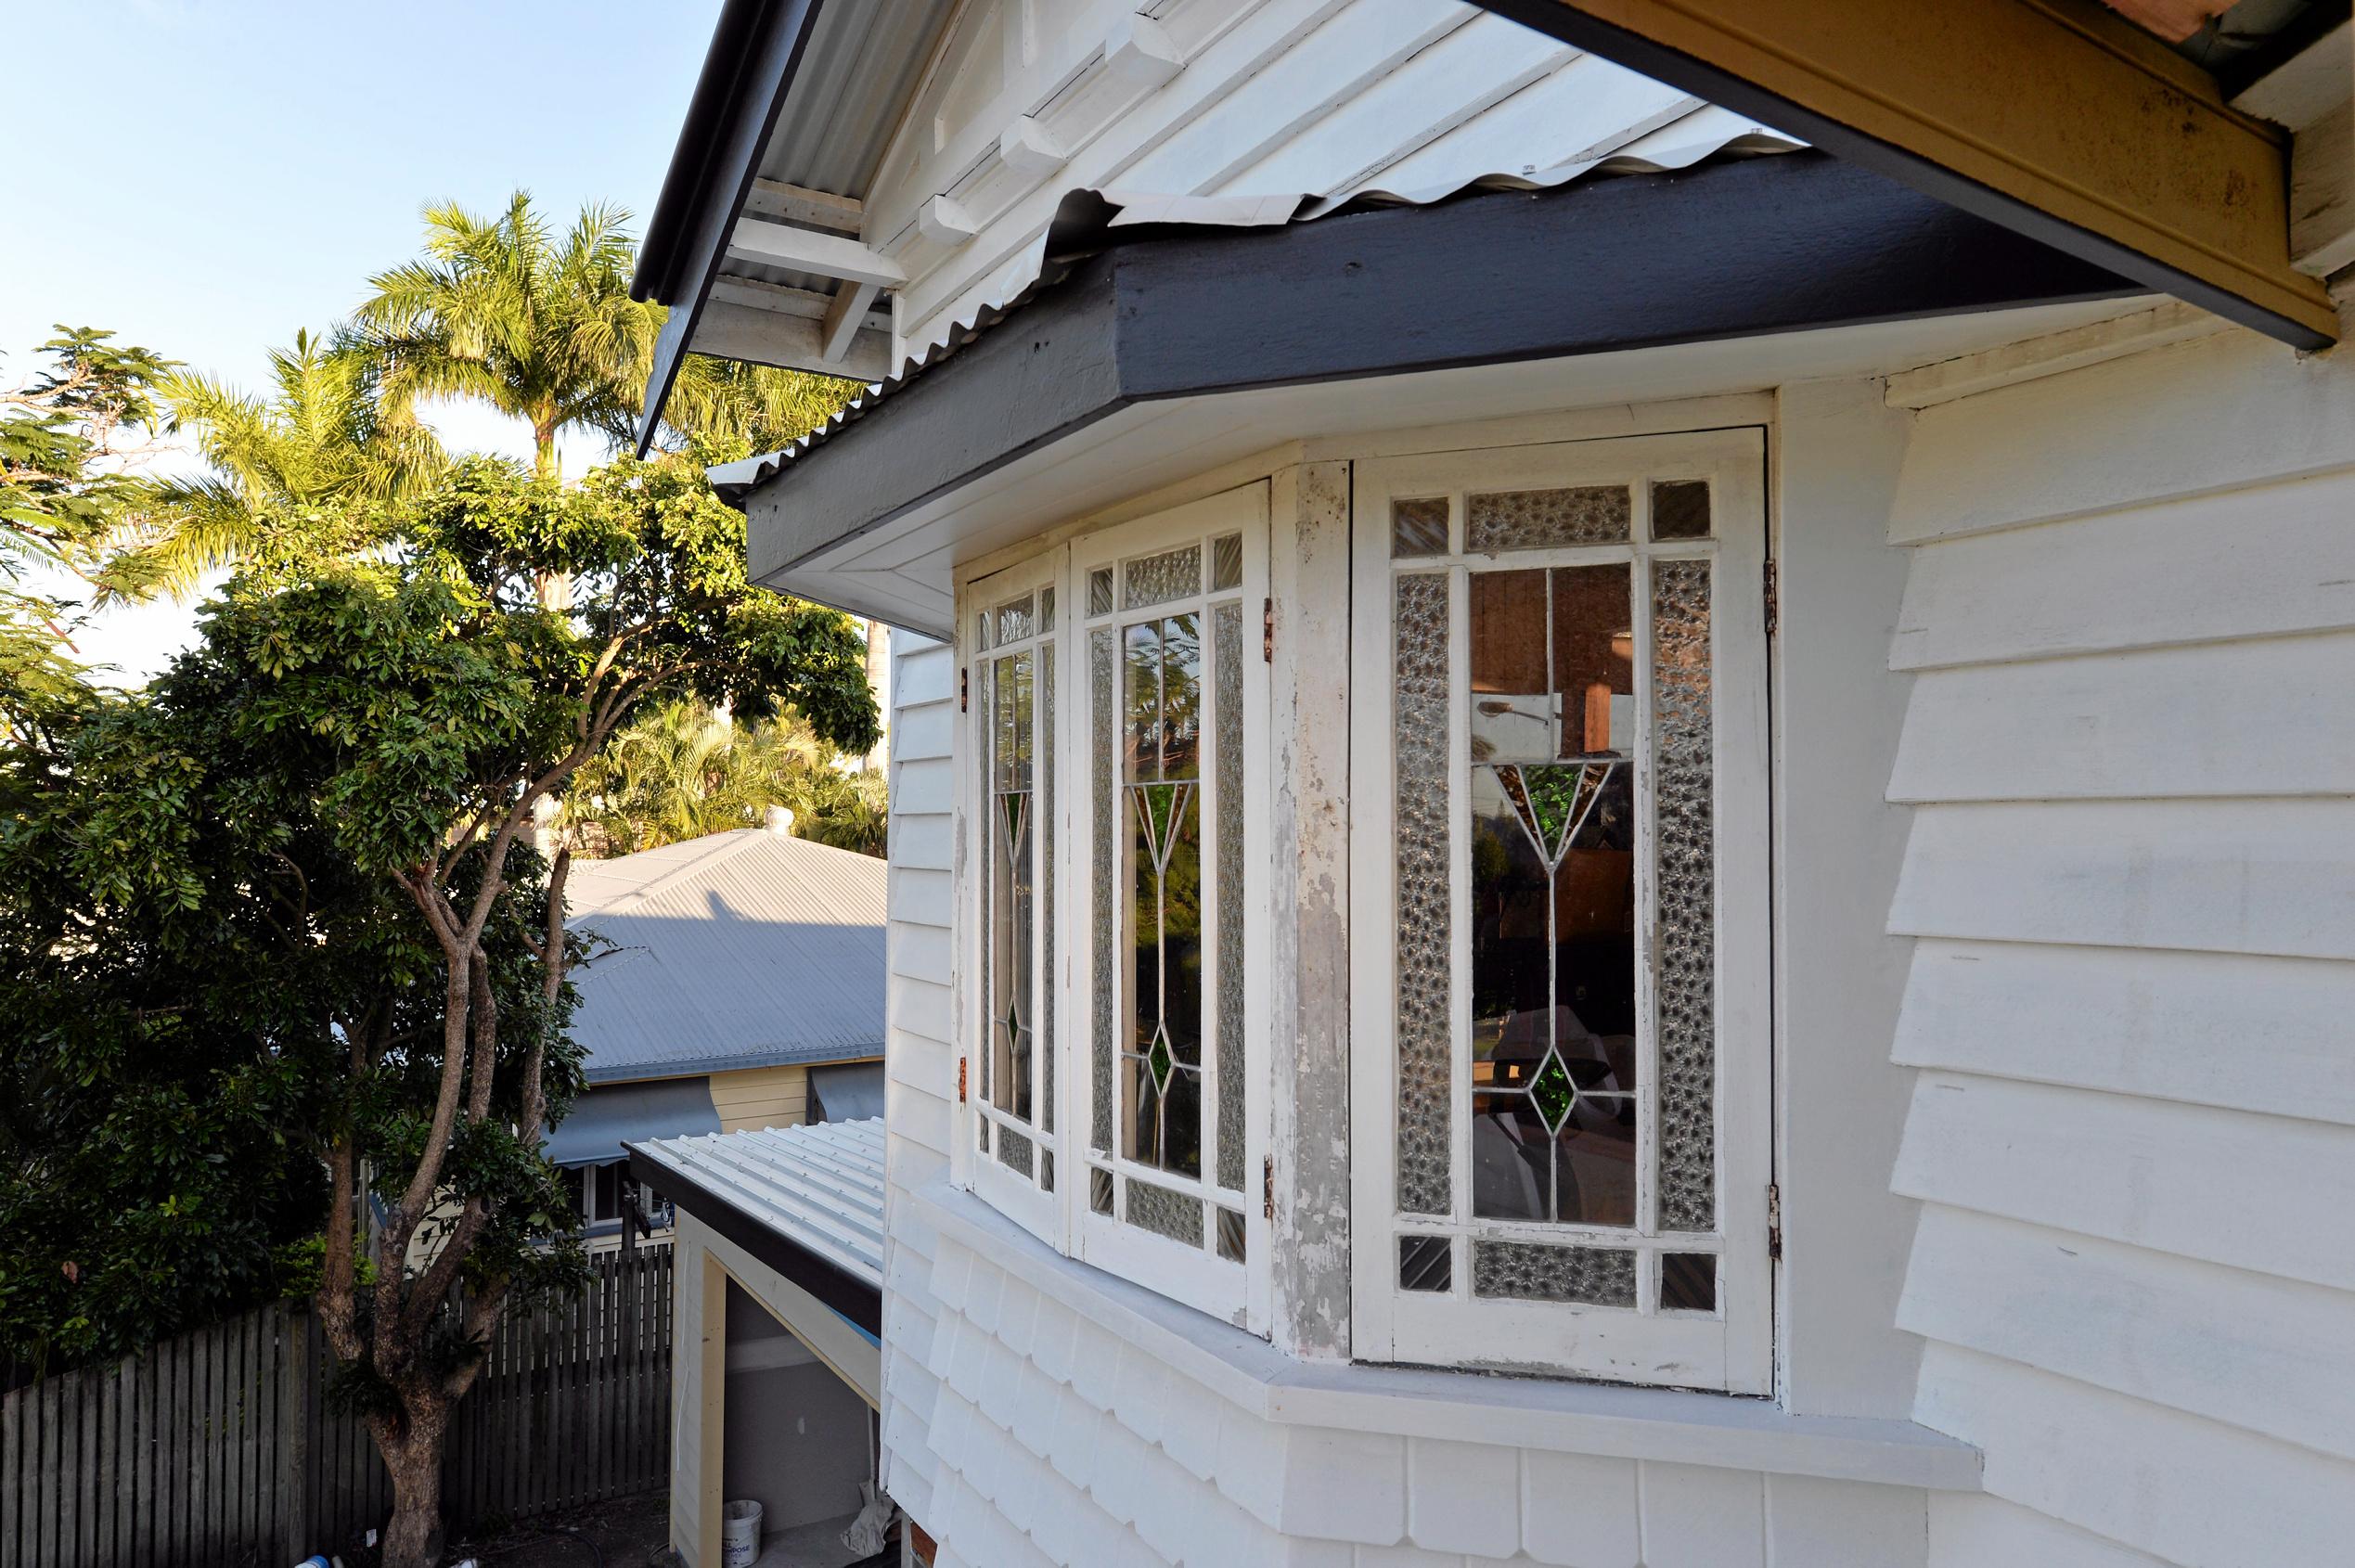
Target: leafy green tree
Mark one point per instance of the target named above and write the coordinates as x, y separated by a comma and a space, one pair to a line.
344, 776
68, 440
315, 460
682, 770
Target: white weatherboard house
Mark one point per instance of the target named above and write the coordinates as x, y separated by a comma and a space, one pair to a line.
1618, 837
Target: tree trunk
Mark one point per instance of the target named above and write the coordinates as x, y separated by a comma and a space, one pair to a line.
411, 1444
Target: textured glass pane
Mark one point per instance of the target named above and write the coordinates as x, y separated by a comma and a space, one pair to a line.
1105, 805
1100, 591
1518, 1271
1226, 561
1100, 1189
1046, 1163
1230, 1235
1683, 836
982, 624
1047, 609
1680, 509
1426, 1263
1013, 620
1229, 770
1015, 1150
1541, 520
1045, 782
1553, 977
1687, 1282
1164, 1213
1158, 579
1419, 528
1424, 835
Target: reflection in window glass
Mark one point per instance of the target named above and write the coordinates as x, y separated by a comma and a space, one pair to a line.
1554, 1076
1160, 1048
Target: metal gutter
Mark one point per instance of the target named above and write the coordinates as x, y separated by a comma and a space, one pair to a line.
756, 50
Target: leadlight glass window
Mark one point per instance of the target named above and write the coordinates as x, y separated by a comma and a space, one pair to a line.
1130, 799
1563, 710
1014, 699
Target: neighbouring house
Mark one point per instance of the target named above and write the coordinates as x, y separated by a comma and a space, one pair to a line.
1623, 770
739, 984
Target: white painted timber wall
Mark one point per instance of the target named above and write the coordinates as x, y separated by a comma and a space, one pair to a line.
2131, 754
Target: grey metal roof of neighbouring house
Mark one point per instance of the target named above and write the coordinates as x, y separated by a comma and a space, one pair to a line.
743, 949
807, 1201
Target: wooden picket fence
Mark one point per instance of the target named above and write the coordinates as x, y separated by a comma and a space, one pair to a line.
221, 1449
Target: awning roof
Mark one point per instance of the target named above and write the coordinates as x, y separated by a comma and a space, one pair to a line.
1725, 251
603, 1119
806, 1201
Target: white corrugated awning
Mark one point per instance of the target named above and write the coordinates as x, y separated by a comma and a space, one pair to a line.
602, 1120
817, 1188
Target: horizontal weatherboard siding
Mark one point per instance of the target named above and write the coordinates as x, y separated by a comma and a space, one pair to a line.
2132, 875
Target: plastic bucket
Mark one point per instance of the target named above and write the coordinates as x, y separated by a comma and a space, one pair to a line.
740, 1534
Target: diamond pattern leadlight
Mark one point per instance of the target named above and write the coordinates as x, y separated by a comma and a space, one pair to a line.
1159, 1061
1554, 801
1554, 1093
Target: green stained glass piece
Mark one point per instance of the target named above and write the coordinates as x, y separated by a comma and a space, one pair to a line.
1557, 800
1553, 1092
1161, 807
1160, 1059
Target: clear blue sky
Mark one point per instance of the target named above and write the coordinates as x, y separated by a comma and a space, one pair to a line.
207, 177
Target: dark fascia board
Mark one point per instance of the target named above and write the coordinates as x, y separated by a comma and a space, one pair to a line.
822, 1277
756, 47
1675, 69
1793, 242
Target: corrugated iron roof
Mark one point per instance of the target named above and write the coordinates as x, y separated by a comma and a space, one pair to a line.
821, 1185
743, 949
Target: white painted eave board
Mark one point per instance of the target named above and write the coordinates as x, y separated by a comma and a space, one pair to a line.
902, 572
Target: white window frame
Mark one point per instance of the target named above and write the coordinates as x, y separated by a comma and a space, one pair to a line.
1237, 1293
1730, 1349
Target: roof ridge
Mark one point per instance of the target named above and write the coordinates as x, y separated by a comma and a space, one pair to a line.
719, 852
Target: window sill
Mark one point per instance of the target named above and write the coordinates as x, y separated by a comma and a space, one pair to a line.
1563, 1416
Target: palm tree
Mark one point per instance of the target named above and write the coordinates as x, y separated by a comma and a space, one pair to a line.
685, 770
501, 310
305, 464
731, 409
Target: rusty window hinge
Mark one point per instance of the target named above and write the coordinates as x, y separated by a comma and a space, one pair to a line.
1773, 598
1774, 1221
1268, 1186
964, 688
960, 1080
1268, 631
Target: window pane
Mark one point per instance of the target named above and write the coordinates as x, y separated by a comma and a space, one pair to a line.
1426, 1263
1012, 911
1418, 527
1542, 520
1013, 620
1100, 591
1424, 835
1687, 1282
608, 1191
1100, 1189
1106, 810
1228, 753
1162, 1049
1158, 579
1514, 1270
1683, 837
1044, 783
1226, 562
1680, 509
1014, 1149
1164, 1213
1553, 972
1230, 1235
